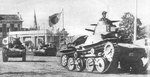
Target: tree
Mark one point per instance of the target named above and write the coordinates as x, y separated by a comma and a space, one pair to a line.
127, 27
147, 29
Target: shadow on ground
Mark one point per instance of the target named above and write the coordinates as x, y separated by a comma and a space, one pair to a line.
119, 71
30, 61
34, 73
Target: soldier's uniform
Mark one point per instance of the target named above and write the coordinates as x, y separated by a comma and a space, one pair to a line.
106, 21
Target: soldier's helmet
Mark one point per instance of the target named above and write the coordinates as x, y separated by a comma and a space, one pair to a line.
104, 12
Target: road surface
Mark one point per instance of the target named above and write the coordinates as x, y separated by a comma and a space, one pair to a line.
46, 66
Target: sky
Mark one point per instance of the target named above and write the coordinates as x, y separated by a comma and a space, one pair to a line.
78, 14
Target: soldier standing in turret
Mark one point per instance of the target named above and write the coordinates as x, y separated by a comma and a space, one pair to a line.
106, 21
104, 16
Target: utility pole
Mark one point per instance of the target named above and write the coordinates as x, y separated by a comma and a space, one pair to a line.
135, 23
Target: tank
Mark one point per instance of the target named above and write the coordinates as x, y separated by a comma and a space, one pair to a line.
104, 52
13, 50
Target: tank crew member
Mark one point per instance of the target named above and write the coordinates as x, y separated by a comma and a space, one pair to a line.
106, 21
104, 16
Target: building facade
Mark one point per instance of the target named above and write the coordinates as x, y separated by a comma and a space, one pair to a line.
9, 22
38, 36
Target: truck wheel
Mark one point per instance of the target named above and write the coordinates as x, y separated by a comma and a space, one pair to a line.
24, 57
90, 65
79, 65
71, 64
4, 54
64, 60
100, 65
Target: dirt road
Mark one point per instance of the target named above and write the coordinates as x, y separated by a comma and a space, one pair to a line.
40, 66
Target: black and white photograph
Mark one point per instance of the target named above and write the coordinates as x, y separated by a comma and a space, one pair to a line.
74, 38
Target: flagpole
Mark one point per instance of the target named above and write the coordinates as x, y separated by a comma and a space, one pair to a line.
63, 23
8, 36
35, 21
135, 23
63, 18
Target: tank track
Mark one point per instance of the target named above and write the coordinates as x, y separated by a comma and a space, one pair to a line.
102, 62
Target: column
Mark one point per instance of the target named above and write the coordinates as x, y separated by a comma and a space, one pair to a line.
15, 27
4, 31
33, 40
21, 39
45, 38
11, 27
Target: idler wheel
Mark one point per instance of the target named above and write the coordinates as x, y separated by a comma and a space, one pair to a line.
71, 64
64, 60
79, 64
90, 64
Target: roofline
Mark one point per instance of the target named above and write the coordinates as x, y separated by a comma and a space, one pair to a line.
31, 33
8, 14
10, 20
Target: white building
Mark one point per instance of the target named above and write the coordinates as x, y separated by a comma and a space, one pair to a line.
37, 36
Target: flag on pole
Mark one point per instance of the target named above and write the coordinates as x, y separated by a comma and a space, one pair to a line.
35, 21
53, 19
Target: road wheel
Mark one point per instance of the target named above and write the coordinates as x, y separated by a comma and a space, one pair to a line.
79, 65
71, 64
4, 54
64, 60
90, 65
24, 57
100, 65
